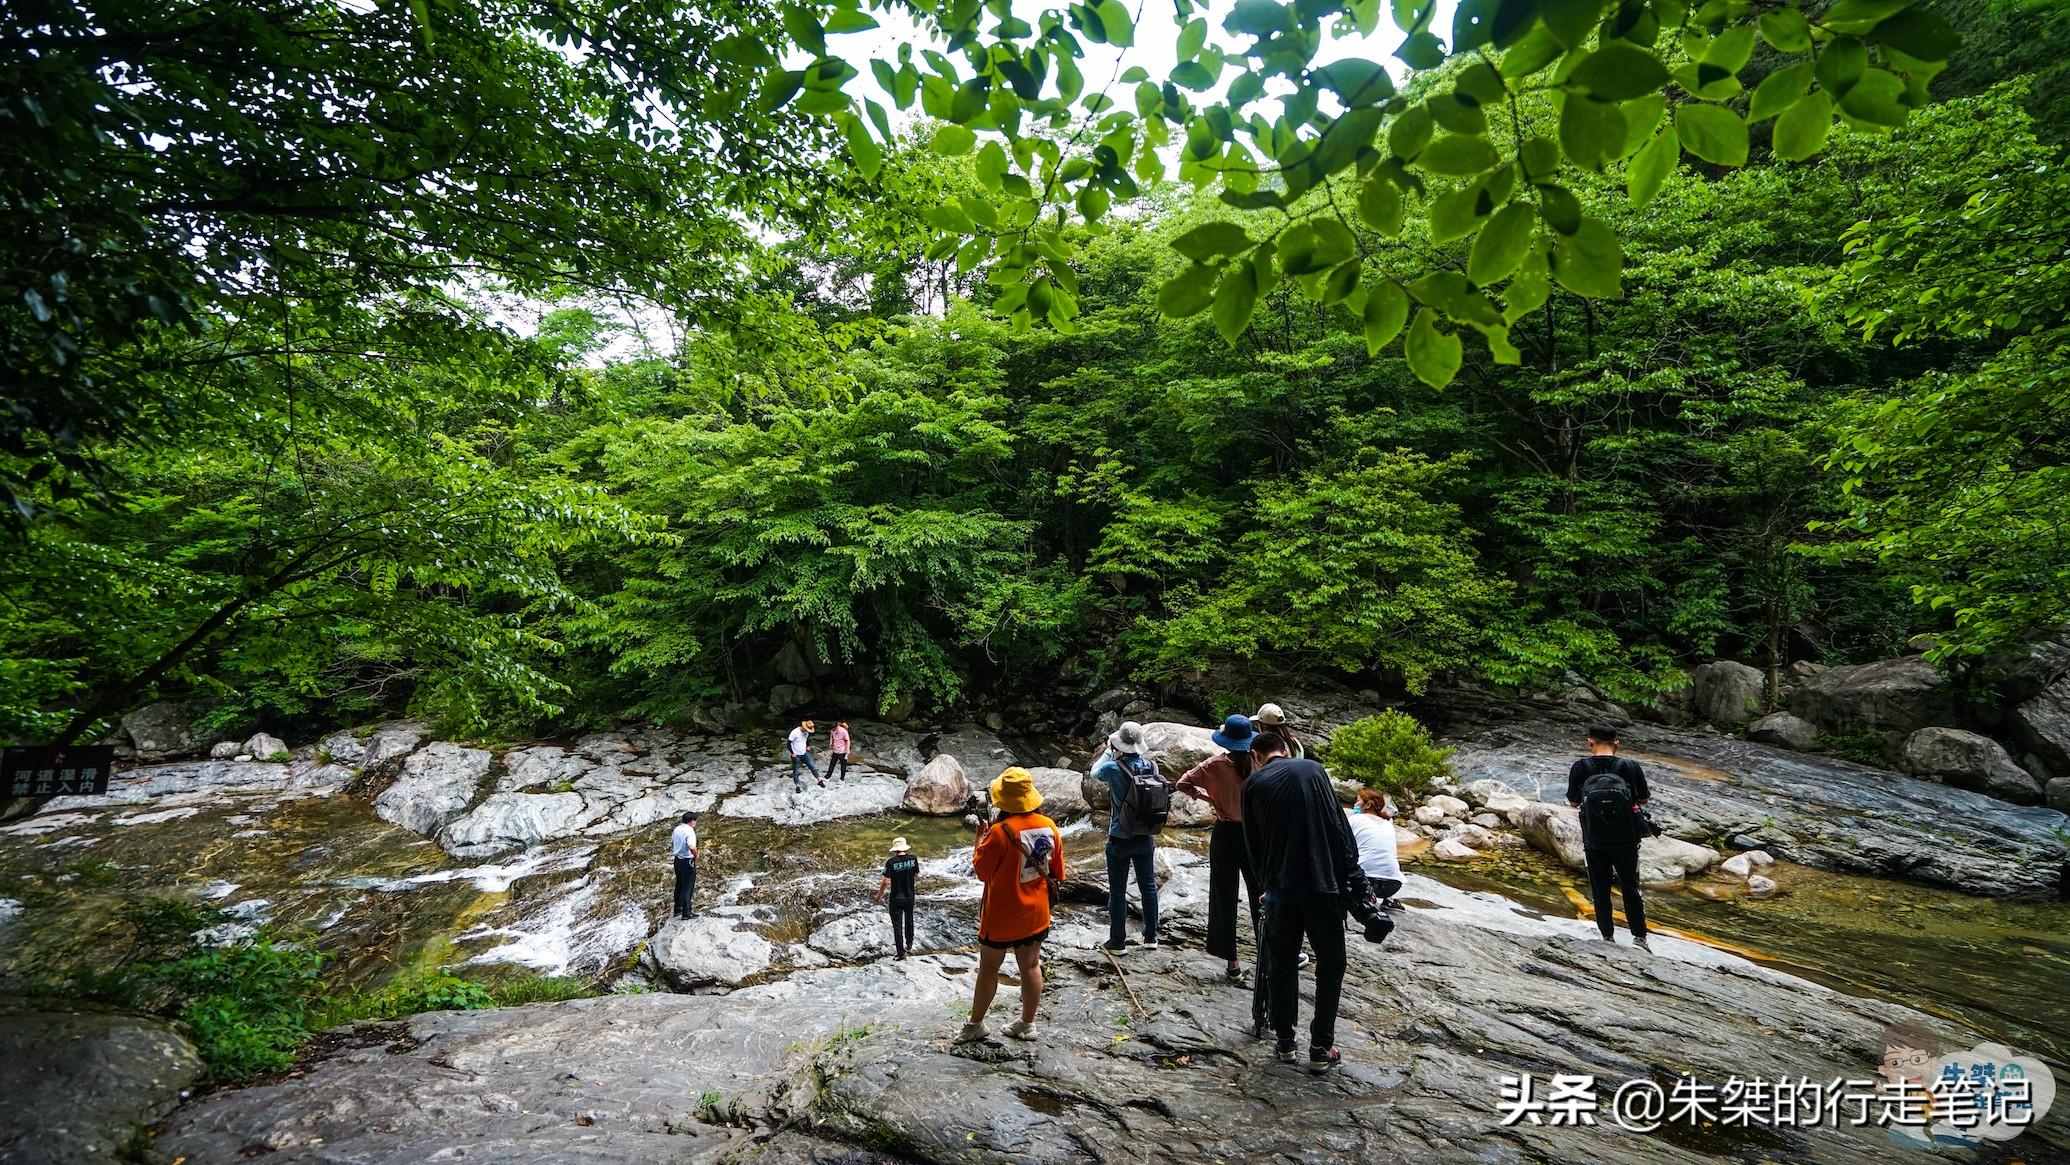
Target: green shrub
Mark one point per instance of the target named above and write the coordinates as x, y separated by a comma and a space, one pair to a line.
541, 989
1390, 752
1863, 748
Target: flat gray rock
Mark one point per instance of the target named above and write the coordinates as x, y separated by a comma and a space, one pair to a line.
80, 1083
771, 797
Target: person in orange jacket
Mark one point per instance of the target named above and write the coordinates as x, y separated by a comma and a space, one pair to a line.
1017, 857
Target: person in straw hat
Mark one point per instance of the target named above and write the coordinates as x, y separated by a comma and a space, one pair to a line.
1017, 857
900, 871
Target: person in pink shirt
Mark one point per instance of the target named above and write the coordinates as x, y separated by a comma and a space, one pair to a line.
837, 749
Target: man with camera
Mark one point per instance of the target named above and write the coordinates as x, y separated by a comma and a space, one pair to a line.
1610, 792
1305, 858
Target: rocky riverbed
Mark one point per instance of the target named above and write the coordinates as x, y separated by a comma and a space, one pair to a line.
773, 1028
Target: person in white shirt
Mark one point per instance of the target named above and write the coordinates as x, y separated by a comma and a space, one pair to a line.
683, 847
1372, 827
801, 753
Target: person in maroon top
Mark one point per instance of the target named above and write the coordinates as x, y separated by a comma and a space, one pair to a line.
1218, 780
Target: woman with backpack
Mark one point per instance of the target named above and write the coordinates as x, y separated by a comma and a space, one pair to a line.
1017, 858
1139, 801
1218, 780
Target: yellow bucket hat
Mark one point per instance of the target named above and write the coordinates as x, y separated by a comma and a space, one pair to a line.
1014, 792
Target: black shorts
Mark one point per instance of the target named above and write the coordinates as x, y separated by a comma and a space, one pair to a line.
1015, 944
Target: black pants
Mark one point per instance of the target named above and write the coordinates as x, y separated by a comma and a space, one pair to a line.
901, 925
1229, 859
1384, 888
837, 764
1623, 865
686, 885
1320, 920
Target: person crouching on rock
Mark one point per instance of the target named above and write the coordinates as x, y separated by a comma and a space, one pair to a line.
683, 847
1302, 850
1609, 790
1372, 827
1219, 781
1017, 857
899, 874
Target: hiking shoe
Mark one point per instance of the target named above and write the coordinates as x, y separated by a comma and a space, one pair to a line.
1260, 1029
972, 1033
1021, 1029
1233, 974
822, 784
1113, 945
1285, 1050
1149, 942
1641, 943
1390, 904
1321, 1060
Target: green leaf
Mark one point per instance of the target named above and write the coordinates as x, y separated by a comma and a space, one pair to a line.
845, 20
1421, 50
1731, 49
1842, 64
1315, 244
868, 155
1778, 91
1410, 133
1878, 98
1210, 240
1801, 130
1115, 21
1458, 155
1786, 30
1193, 75
1590, 261
1457, 214
804, 30
1188, 293
1434, 354
1560, 208
1357, 82
1235, 297
1619, 71
1591, 133
1502, 244
1652, 166
1713, 133
1387, 309
1380, 204
952, 140
1452, 294
1260, 18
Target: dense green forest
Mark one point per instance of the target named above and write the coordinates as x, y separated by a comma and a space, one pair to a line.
453, 466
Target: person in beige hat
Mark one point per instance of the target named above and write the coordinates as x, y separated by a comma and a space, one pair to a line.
1017, 857
900, 871
1273, 718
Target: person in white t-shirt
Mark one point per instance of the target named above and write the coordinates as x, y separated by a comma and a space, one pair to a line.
1372, 827
800, 742
683, 849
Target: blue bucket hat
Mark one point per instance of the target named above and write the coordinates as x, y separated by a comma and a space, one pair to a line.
1236, 734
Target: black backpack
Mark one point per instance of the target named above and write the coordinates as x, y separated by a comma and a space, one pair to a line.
1147, 802
1607, 813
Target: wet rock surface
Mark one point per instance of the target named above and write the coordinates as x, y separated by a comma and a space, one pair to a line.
854, 1063
81, 1083
1812, 810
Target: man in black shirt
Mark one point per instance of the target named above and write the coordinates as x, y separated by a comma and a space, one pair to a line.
1302, 850
1609, 791
899, 873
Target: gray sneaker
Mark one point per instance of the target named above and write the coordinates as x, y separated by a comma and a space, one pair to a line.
972, 1033
1641, 943
1021, 1029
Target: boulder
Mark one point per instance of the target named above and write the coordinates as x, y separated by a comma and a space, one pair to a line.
1553, 829
2058, 794
1727, 693
1449, 806
1113, 700
1063, 792
981, 753
2041, 726
342, 748
437, 784
995, 721
792, 664
1472, 836
507, 821
717, 716
224, 750
1893, 697
1487, 820
939, 789
1178, 747
1667, 859
391, 742
786, 697
1801, 670
161, 730
1760, 887
1453, 850
1427, 814
866, 934
544, 766
265, 746
1487, 791
716, 948
1970, 761
1741, 865
1784, 731
80, 1083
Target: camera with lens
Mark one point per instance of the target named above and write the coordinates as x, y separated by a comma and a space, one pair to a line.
1647, 826
1376, 922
